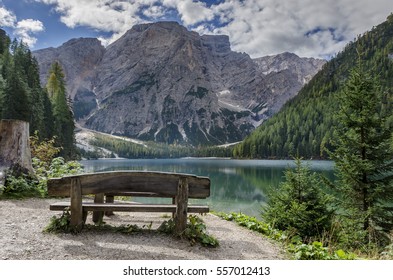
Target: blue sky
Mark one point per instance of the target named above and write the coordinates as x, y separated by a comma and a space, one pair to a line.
309, 28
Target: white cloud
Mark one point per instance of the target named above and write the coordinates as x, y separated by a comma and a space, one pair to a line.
306, 27
25, 28
7, 18
154, 12
102, 15
258, 27
194, 12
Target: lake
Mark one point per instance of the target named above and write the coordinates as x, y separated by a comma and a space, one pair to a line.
236, 185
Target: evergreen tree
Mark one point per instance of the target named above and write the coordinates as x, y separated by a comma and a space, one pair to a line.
63, 117
21, 94
48, 130
300, 204
363, 156
4, 42
16, 99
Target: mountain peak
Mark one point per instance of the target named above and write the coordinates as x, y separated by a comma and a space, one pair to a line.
287, 60
82, 41
164, 83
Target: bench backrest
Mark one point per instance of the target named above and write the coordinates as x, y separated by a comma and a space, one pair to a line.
162, 183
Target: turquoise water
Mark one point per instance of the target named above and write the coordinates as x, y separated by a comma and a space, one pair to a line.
236, 185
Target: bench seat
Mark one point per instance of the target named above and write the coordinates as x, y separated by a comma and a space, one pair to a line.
106, 185
129, 207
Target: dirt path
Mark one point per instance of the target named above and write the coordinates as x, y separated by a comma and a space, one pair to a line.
21, 238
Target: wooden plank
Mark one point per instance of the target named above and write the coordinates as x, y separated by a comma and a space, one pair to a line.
139, 194
98, 215
130, 207
181, 206
162, 183
76, 204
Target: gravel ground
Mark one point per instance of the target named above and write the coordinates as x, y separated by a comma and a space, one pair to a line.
21, 238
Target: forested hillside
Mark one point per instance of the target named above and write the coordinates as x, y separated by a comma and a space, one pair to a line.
23, 98
305, 124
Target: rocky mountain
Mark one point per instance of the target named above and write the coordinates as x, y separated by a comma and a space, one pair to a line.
161, 82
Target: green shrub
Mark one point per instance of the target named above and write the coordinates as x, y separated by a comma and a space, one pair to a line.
299, 204
195, 231
57, 168
254, 224
61, 224
18, 184
316, 251
45, 151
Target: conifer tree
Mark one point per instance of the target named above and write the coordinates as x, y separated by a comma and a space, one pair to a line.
48, 120
4, 42
363, 156
63, 117
21, 94
300, 204
16, 103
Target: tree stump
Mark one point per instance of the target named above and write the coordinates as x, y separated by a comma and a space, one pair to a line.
14, 146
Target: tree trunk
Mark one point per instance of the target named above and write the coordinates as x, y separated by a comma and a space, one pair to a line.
14, 146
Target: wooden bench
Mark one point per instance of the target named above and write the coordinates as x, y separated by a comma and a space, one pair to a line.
179, 187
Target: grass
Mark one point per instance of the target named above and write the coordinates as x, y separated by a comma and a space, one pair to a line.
291, 242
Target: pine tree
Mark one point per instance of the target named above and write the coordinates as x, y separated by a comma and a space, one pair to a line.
48, 131
16, 99
363, 156
300, 204
4, 42
21, 94
63, 117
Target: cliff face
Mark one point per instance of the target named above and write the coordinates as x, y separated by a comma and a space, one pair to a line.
162, 82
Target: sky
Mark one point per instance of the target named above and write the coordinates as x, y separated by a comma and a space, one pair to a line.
309, 28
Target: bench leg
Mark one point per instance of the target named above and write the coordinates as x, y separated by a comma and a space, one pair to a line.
109, 199
181, 206
98, 215
76, 205
173, 202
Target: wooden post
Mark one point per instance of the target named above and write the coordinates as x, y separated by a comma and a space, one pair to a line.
98, 215
181, 206
109, 199
76, 204
15, 146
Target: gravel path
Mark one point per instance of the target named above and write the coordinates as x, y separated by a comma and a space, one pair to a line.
21, 238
